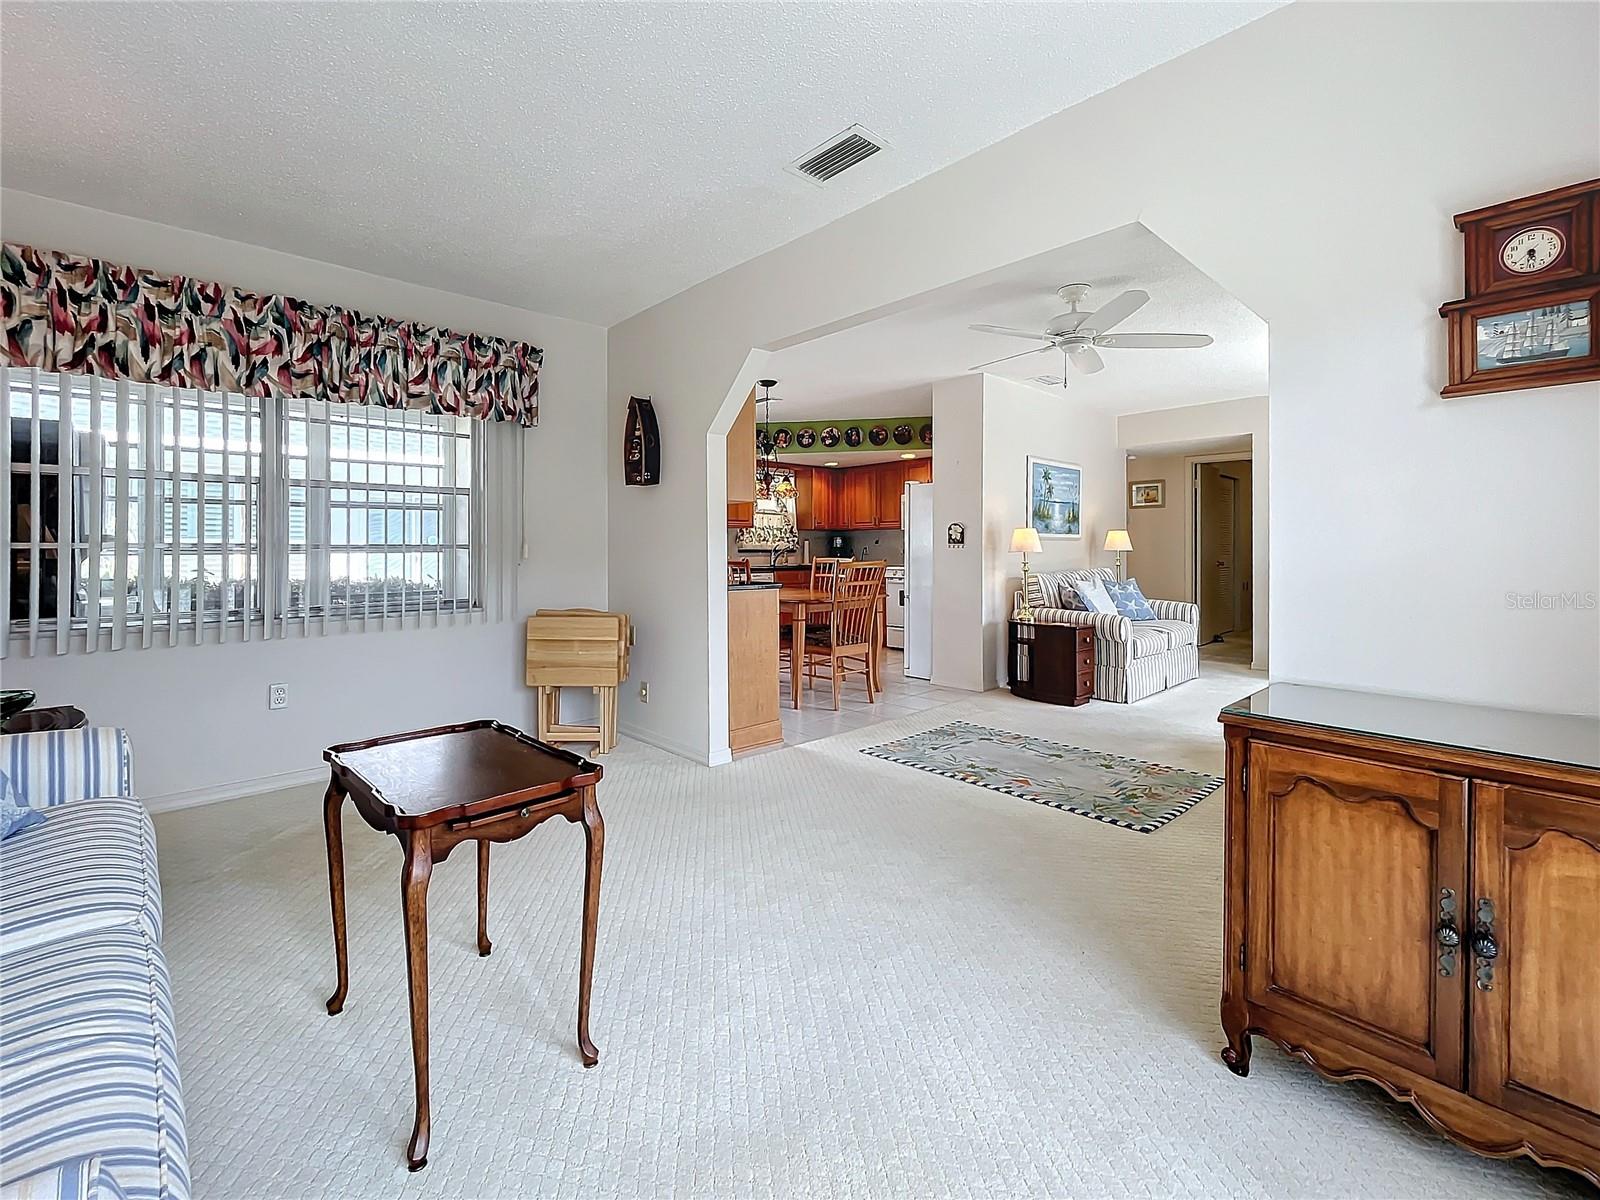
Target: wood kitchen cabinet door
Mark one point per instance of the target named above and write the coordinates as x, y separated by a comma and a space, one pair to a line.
888, 483
1536, 1002
1353, 867
825, 498
860, 499
919, 470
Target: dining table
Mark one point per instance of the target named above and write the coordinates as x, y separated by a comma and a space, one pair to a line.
797, 604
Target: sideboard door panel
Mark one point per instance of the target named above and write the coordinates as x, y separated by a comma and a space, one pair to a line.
1536, 1010
1348, 863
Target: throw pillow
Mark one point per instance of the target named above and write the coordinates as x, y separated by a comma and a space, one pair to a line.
1130, 600
1094, 596
1067, 596
14, 816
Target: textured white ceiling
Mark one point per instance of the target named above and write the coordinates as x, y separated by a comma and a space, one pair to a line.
888, 366
585, 160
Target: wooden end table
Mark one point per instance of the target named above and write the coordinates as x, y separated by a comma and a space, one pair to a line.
1052, 663
433, 789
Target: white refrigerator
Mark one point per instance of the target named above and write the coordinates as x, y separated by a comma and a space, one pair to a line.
916, 518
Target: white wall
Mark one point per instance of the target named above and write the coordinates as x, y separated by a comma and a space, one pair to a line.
959, 595
198, 715
1248, 416
1277, 159
1019, 421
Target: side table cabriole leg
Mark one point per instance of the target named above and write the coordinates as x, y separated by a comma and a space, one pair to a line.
332, 807
414, 899
484, 945
594, 833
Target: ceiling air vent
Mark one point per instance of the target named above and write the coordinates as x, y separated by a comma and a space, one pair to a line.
837, 155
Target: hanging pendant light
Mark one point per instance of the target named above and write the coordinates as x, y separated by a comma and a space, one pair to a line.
766, 447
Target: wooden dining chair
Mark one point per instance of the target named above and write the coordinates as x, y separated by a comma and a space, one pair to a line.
873, 573
845, 645
825, 570
738, 570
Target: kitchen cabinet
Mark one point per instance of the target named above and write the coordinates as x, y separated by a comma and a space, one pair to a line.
860, 507
828, 498
742, 466
888, 482
1411, 893
753, 668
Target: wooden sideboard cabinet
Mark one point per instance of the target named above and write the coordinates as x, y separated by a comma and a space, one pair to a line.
1413, 898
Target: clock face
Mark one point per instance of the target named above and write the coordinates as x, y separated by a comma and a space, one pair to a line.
1532, 250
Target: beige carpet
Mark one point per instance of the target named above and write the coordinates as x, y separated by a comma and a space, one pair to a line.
819, 974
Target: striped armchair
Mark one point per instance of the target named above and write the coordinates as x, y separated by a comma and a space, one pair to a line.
1132, 659
87, 1046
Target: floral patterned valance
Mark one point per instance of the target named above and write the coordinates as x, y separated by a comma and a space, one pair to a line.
65, 312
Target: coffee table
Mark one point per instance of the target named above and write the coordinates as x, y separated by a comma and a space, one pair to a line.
434, 789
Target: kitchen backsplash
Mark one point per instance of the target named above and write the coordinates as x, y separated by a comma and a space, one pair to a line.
887, 544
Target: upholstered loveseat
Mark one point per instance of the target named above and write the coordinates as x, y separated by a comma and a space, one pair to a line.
91, 1102
1132, 659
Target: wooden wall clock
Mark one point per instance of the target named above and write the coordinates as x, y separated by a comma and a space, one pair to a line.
1533, 288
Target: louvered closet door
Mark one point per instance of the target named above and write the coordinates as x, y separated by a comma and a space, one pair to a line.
1352, 865
1216, 552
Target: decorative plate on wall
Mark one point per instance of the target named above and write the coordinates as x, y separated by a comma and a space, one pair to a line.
852, 435
903, 435
806, 438
830, 436
782, 438
926, 435
878, 435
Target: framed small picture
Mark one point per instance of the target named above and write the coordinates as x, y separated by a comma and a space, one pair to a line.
1147, 493
1055, 490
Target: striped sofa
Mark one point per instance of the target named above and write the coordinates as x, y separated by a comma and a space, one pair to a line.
1132, 659
89, 1093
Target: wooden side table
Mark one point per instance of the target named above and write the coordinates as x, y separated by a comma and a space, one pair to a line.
1052, 663
434, 789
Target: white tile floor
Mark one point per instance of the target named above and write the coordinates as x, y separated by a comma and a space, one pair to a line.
901, 697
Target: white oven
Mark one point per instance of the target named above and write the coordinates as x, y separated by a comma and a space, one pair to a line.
894, 582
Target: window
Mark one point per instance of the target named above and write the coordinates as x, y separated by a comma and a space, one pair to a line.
190, 512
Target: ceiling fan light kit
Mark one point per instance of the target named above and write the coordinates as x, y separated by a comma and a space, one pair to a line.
1080, 336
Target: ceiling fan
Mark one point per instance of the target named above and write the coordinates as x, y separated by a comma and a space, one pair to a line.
1082, 335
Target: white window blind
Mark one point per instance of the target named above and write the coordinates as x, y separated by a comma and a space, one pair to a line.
139, 514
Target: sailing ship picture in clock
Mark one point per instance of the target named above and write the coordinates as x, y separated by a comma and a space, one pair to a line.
1533, 284
1534, 335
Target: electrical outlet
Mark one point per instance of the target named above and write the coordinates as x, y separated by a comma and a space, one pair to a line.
277, 695
644, 693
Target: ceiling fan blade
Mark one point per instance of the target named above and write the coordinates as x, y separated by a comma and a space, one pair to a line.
995, 361
1153, 341
1117, 311
1085, 359
1009, 332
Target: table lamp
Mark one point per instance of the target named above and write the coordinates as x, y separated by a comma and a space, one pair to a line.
1025, 541
1117, 539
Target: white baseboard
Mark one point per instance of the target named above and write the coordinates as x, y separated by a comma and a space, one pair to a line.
674, 747
197, 797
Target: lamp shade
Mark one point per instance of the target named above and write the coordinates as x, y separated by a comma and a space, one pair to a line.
1025, 541
1117, 539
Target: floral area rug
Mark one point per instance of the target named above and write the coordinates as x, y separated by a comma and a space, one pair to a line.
1141, 796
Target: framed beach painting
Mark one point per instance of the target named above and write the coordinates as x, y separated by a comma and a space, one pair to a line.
1147, 493
1054, 492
